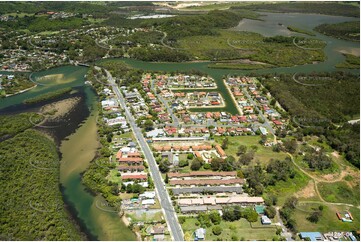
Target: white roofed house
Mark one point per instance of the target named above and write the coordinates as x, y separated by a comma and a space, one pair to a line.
200, 234
148, 194
265, 220
148, 202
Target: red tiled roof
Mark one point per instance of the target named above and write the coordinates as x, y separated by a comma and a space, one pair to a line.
134, 176
131, 168
202, 173
206, 182
220, 150
130, 159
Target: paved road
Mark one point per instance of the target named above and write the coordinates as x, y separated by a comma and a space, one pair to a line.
170, 215
266, 123
165, 103
285, 233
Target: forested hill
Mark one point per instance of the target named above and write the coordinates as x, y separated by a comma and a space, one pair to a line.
330, 8
31, 205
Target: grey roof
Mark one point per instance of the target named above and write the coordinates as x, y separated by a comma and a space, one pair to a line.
193, 208
219, 189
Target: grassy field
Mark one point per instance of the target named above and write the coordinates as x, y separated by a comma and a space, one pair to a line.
263, 154
240, 229
114, 176
328, 221
230, 45
145, 217
285, 189
340, 192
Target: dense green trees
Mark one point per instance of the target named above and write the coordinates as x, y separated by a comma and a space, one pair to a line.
206, 24
311, 99
330, 8
345, 30
196, 164
47, 96
286, 213
346, 139
279, 170
318, 160
158, 54
326, 99
259, 177
270, 212
233, 213
164, 166
13, 124
31, 203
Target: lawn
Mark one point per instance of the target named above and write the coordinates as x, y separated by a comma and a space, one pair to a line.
114, 176
127, 135
340, 192
328, 221
148, 216
263, 154
241, 229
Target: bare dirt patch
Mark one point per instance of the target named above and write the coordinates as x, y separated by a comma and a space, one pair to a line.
60, 108
335, 154
351, 51
308, 191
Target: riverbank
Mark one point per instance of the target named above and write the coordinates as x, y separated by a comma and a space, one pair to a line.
22, 91
233, 98
78, 151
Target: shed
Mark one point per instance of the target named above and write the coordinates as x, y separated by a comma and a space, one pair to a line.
265, 220
200, 234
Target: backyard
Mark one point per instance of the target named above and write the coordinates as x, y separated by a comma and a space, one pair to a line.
237, 230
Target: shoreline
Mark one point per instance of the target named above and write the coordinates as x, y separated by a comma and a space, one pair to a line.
233, 98
22, 91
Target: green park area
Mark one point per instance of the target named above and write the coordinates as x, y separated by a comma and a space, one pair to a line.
262, 154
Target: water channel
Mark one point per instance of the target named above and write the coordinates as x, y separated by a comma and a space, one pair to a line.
80, 145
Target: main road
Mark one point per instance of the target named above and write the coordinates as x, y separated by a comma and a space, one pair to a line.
169, 212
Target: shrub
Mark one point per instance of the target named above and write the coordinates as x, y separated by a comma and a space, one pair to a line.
217, 230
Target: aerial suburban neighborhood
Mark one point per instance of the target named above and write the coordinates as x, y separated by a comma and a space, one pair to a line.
180, 121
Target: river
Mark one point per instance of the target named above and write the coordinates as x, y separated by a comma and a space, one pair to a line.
80, 145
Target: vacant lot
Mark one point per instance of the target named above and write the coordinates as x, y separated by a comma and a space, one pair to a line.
328, 221
340, 192
263, 154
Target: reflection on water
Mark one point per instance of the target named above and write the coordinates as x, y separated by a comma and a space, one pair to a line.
80, 147
273, 24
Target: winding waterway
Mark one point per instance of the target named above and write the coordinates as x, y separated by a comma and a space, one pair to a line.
80, 147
